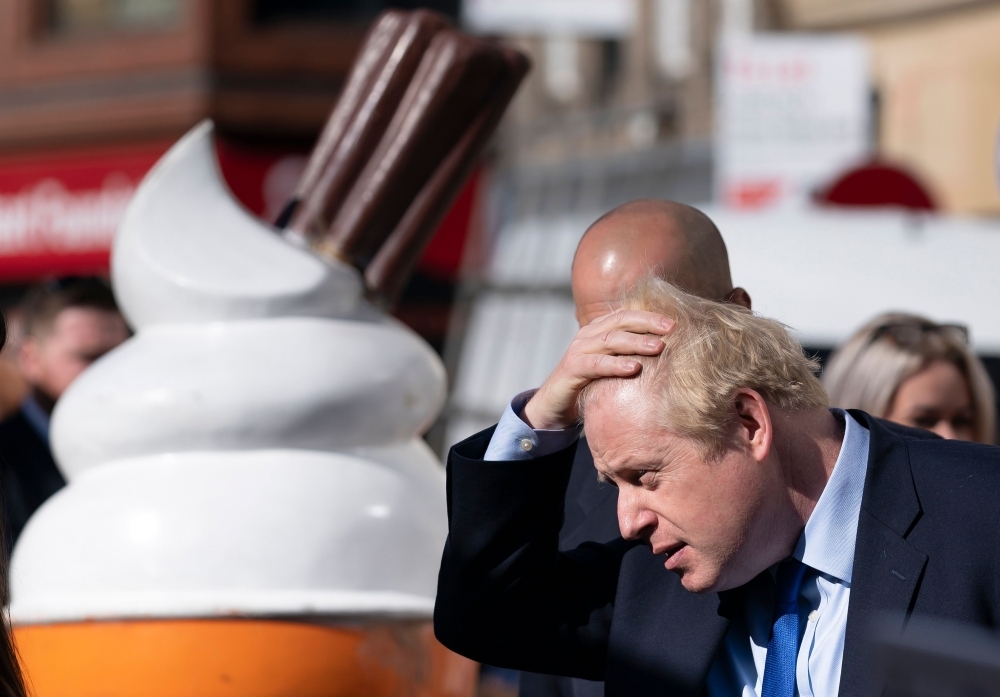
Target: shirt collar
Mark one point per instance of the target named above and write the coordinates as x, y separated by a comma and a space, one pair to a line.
36, 417
827, 543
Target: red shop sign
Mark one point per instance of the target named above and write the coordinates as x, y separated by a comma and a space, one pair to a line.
59, 212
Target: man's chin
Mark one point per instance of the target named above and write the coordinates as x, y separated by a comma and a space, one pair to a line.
695, 582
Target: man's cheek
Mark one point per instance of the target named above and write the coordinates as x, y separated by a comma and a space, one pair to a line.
70, 371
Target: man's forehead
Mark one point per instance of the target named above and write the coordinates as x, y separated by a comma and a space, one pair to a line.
85, 321
616, 414
608, 398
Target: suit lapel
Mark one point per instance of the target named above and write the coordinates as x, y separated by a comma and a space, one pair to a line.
887, 569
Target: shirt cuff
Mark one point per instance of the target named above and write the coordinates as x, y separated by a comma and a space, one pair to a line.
516, 440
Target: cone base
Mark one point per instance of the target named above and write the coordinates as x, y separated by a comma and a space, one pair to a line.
239, 658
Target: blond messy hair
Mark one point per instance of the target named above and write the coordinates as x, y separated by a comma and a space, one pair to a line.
715, 349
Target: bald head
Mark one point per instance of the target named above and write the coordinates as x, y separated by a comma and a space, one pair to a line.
677, 242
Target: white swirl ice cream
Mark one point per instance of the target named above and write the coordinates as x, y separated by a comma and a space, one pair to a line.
254, 449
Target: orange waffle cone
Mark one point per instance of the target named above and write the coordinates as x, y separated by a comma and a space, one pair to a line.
239, 658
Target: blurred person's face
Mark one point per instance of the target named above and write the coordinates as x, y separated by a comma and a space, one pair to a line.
938, 399
717, 520
78, 337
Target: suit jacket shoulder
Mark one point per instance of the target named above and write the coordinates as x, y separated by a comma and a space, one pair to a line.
958, 487
926, 541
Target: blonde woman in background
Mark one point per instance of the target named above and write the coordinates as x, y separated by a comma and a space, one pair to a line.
915, 372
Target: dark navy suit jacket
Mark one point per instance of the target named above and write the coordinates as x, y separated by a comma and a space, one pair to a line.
928, 542
591, 515
28, 475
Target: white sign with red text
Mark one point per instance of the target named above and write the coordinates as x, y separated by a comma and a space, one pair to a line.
792, 112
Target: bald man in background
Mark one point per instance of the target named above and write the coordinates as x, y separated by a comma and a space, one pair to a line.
680, 244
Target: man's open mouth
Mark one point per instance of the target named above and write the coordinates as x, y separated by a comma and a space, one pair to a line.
670, 550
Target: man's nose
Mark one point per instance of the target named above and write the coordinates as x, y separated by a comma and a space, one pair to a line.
635, 520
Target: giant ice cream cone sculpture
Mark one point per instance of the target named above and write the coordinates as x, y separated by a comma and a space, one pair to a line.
250, 509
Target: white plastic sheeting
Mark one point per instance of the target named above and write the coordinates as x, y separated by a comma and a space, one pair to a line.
826, 272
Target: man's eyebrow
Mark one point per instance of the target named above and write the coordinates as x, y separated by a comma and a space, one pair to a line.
604, 479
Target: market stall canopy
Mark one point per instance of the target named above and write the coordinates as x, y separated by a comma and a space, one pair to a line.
826, 272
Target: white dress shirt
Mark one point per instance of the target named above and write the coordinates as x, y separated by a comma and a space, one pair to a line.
826, 546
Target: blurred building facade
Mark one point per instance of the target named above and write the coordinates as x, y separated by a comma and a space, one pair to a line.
80, 71
623, 104
93, 92
648, 78
935, 67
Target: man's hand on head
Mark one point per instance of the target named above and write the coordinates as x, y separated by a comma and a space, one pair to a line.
601, 349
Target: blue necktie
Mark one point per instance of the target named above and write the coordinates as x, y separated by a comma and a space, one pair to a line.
783, 646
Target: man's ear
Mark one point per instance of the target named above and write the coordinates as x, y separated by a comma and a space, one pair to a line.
739, 296
754, 423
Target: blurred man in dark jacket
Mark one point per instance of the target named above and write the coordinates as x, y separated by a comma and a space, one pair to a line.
67, 326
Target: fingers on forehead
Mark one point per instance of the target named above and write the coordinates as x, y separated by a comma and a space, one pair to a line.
638, 320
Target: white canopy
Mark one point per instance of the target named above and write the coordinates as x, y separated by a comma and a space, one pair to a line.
826, 272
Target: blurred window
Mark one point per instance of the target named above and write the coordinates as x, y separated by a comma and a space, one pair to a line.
268, 12
85, 16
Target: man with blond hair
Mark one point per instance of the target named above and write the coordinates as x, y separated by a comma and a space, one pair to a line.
678, 243
761, 531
